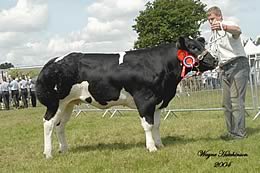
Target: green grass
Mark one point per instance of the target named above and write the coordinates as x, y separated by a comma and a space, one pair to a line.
117, 144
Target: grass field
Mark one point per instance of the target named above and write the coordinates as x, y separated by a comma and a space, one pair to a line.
117, 144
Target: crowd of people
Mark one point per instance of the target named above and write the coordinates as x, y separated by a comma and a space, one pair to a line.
18, 92
211, 79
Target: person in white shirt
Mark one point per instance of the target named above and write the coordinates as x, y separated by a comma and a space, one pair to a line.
1, 95
14, 85
24, 91
226, 44
5, 93
32, 92
215, 81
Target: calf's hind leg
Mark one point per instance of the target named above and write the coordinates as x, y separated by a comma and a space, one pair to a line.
60, 127
48, 129
156, 131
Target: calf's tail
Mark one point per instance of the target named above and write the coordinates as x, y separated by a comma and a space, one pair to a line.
45, 89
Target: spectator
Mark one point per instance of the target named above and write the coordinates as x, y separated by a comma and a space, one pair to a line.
24, 91
215, 82
14, 85
5, 93
1, 102
32, 92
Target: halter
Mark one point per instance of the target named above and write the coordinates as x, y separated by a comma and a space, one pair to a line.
188, 60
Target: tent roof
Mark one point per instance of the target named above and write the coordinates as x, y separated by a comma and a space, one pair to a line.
251, 48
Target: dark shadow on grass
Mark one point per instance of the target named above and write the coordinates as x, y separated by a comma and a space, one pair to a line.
110, 146
251, 131
176, 140
167, 141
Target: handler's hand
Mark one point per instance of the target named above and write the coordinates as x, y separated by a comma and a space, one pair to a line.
215, 26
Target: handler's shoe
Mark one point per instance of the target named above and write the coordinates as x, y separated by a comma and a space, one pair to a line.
239, 135
231, 136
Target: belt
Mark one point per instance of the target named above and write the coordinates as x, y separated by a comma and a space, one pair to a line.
232, 61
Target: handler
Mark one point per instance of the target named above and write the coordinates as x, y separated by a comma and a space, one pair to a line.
225, 43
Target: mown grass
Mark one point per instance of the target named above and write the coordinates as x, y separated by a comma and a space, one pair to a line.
117, 144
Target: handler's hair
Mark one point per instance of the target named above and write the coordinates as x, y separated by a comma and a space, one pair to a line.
215, 10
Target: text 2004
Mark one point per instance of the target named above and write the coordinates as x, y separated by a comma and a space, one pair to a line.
222, 164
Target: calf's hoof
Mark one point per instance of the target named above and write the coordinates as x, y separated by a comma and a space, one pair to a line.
152, 149
159, 145
63, 149
48, 156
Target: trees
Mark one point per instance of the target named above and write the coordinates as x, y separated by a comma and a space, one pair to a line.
257, 42
165, 20
6, 65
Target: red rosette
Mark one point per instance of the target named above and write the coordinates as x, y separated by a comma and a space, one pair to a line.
182, 54
189, 61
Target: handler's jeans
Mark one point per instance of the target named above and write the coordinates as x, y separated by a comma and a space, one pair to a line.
235, 75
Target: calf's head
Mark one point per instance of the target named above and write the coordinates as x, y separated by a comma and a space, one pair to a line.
196, 47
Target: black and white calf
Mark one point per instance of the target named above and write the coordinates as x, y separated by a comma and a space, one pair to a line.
145, 79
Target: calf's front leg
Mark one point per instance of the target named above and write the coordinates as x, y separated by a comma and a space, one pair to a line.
150, 145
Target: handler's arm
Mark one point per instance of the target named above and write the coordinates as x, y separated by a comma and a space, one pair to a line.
234, 30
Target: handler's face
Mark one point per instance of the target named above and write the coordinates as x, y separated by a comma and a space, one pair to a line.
212, 18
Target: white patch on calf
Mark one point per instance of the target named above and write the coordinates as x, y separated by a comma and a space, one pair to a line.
48, 128
158, 106
121, 57
58, 59
150, 145
55, 87
79, 92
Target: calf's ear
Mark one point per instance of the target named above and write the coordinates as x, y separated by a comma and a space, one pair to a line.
180, 44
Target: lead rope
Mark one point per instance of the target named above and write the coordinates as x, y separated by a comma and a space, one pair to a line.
213, 40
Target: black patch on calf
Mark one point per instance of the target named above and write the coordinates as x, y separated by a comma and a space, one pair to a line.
89, 99
103, 91
50, 112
